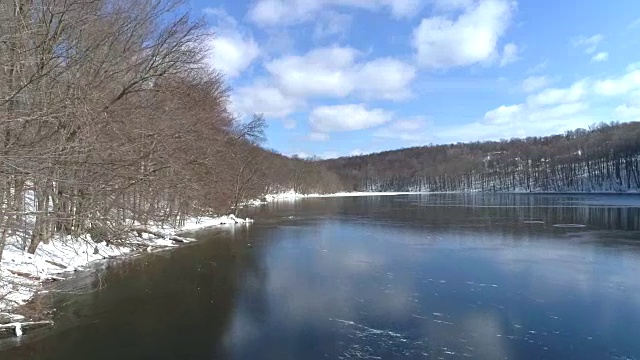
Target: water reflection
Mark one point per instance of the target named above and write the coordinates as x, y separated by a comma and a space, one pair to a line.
464, 280
167, 305
420, 276
605, 212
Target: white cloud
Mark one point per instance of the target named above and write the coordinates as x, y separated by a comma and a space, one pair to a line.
633, 66
550, 111
600, 57
408, 124
232, 53
627, 111
557, 112
329, 155
555, 96
509, 54
289, 124
278, 41
269, 12
331, 23
334, 72
630, 110
534, 83
232, 50
263, 99
503, 114
403, 8
452, 5
318, 136
301, 154
286, 12
589, 44
538, 68
519, 120
634, 24
618, 86
409, 130
443, 42
413, 138
325, 71
347, 117
384, 78
356, 152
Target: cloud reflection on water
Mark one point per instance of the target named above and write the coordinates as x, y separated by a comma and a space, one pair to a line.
492, 287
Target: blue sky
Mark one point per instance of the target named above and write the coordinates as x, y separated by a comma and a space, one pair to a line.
342, 77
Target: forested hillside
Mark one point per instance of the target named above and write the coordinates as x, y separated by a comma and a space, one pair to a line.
109, 114
604, 158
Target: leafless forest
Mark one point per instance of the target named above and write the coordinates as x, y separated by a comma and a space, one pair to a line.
606, 157
108, 113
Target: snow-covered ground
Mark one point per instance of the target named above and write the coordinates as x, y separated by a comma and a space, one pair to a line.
22, 274
286, 196
292, 195
364, 193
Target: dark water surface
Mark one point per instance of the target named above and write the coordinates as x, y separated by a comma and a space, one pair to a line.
396, 277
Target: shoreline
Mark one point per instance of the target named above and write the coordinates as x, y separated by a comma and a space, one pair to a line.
294, 196
23, 276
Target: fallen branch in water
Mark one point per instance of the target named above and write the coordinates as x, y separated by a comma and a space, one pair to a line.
141, 230
24, 274
34, 277
20, 327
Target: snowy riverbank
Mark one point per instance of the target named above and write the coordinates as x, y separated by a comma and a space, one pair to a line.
22, 275
292, 195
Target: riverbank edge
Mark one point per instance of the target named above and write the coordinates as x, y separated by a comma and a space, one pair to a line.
10, 317
23, 276
293, 195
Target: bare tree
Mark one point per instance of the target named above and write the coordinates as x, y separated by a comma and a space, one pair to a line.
109, 116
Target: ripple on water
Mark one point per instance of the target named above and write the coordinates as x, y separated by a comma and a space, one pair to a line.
533, 221
569, 225
370, 343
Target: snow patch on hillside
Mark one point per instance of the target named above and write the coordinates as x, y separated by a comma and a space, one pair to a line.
363, 193
289, 195
292, 195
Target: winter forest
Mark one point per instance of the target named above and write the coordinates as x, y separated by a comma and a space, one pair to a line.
108, 112
604, 158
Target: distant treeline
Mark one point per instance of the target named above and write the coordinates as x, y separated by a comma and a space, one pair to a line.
605, 157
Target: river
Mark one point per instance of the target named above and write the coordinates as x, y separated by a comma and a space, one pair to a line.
446, 276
